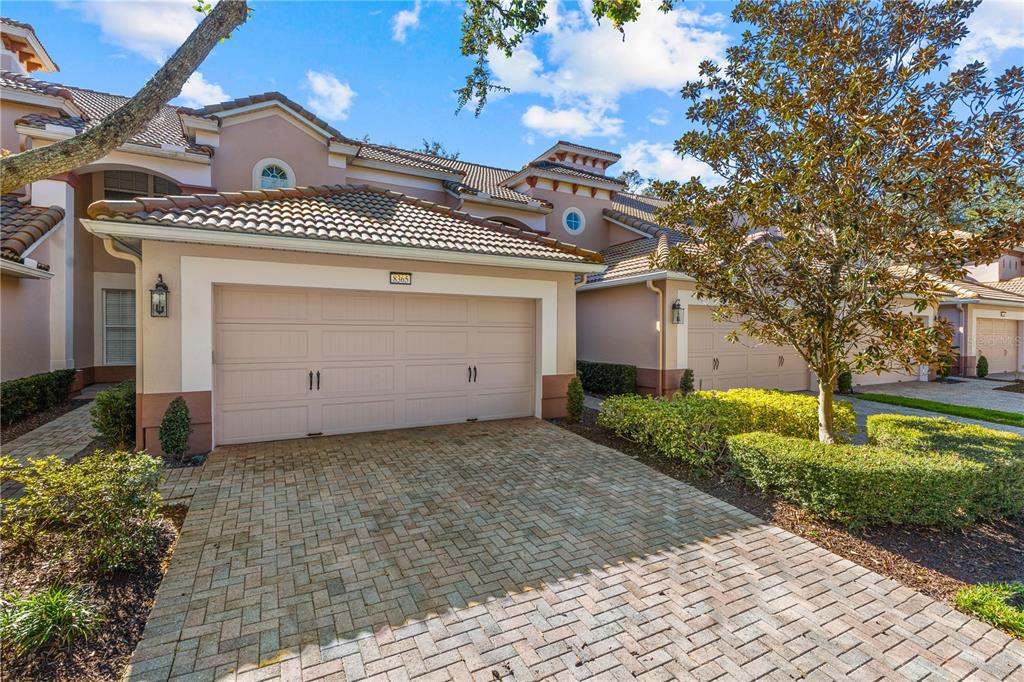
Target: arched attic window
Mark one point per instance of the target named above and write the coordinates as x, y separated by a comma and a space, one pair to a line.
272, 174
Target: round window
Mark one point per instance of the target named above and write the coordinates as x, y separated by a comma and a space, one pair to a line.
573, 220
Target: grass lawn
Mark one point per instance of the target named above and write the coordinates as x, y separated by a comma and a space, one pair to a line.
981, 413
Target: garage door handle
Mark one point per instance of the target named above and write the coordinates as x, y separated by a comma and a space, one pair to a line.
318, 380
474, 374
311, 380
469, 374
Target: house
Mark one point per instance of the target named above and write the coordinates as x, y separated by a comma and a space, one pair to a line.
288, 280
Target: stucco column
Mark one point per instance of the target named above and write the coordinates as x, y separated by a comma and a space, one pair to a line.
60, 193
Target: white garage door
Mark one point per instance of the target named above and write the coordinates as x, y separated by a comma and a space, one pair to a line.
997, 341
718, 364
294, 362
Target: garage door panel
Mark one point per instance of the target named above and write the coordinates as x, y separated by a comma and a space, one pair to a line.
363, 415
262, 305
503, 404
436, 309
246, 425
503, 342
761, 363
260, 383
436, 409
997, 341
437, 343
491, 375
359, 343
366, 380
356, 307
433, 377
259, 343
509, 312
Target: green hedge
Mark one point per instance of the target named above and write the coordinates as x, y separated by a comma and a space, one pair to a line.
910, 474
606, 378
694, 427
22, 398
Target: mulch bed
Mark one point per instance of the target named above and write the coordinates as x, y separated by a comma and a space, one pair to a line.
125, 599
11, 432
936, 562
1015, 387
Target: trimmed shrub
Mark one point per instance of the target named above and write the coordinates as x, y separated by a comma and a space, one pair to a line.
686, 382
785, 414
175, 428
982, 367
22, 398
880, 483
844, 384
113, 415
56, 616
607, 378
574, 400
1000, 605
105, 507
692, 429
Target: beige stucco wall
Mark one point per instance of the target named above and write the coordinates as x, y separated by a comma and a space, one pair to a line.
11, 112
273, 136
529, 219
596, 229
617, 324
25, 324
162, 336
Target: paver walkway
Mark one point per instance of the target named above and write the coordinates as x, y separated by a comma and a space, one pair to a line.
970, 392
517, 550
65, 437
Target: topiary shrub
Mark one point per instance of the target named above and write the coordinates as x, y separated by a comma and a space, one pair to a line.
574, 400
915, 471
175, 428
844, 384
56, 616
686, 382
113, 415
607, 378
104, 508
982, 367
24, 397
785, 414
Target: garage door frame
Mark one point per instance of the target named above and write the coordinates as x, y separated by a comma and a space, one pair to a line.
199, 276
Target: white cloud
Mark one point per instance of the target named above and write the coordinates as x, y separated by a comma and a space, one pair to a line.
659, 116
197, 92
659, 161
405, 21
995, 27
572, 122
330, 97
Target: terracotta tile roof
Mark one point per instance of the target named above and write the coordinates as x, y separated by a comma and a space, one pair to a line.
586, 148
404, 157
19, 24
343, 213
637, 223
572, 171
996, 291
17, 81
22, 224
164, 128
634, 257
273, 96
638, 206
1014, 286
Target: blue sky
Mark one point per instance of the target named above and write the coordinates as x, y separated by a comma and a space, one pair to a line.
388, 69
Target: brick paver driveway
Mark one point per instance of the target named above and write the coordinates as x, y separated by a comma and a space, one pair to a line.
517, 550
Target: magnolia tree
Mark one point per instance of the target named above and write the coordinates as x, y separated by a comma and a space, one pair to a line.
859, 171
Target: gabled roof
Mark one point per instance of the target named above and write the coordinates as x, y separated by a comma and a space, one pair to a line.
22, 225
18, 36
341, 213
572, 171
215, 110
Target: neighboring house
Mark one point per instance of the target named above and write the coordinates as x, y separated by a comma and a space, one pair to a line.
392, 288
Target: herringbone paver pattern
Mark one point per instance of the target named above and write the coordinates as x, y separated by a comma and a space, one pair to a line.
517, 550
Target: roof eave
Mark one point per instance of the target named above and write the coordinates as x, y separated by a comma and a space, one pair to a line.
490, 200
982, 300
22, 270
669, 275
404, 169
29, 35
57, 133
530, 172
144, 231
41, 99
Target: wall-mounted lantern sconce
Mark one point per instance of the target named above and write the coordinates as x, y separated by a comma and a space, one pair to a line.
158, 298
677, 312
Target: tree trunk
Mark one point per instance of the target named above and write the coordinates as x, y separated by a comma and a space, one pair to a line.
114, 130
826, 413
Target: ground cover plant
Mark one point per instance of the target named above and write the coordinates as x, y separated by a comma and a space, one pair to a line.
999, 604
980, 413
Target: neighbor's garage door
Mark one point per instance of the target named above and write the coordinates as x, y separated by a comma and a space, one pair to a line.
997, 341
718, 364
294, 362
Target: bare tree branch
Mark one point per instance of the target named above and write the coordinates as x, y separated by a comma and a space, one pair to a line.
18, 170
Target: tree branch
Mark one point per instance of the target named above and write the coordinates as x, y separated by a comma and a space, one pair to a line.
18, 170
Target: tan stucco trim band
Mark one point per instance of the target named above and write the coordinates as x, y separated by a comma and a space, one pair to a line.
104, 229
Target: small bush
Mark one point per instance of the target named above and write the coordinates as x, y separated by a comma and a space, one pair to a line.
56, 616
844, 384
607, 378
22, 398
1000, 605
785, 414
686, 382
176, 427
982, 367
574, 400
885, 482
104, 508
113, 415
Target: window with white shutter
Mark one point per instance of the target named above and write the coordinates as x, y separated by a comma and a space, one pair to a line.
119, 326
